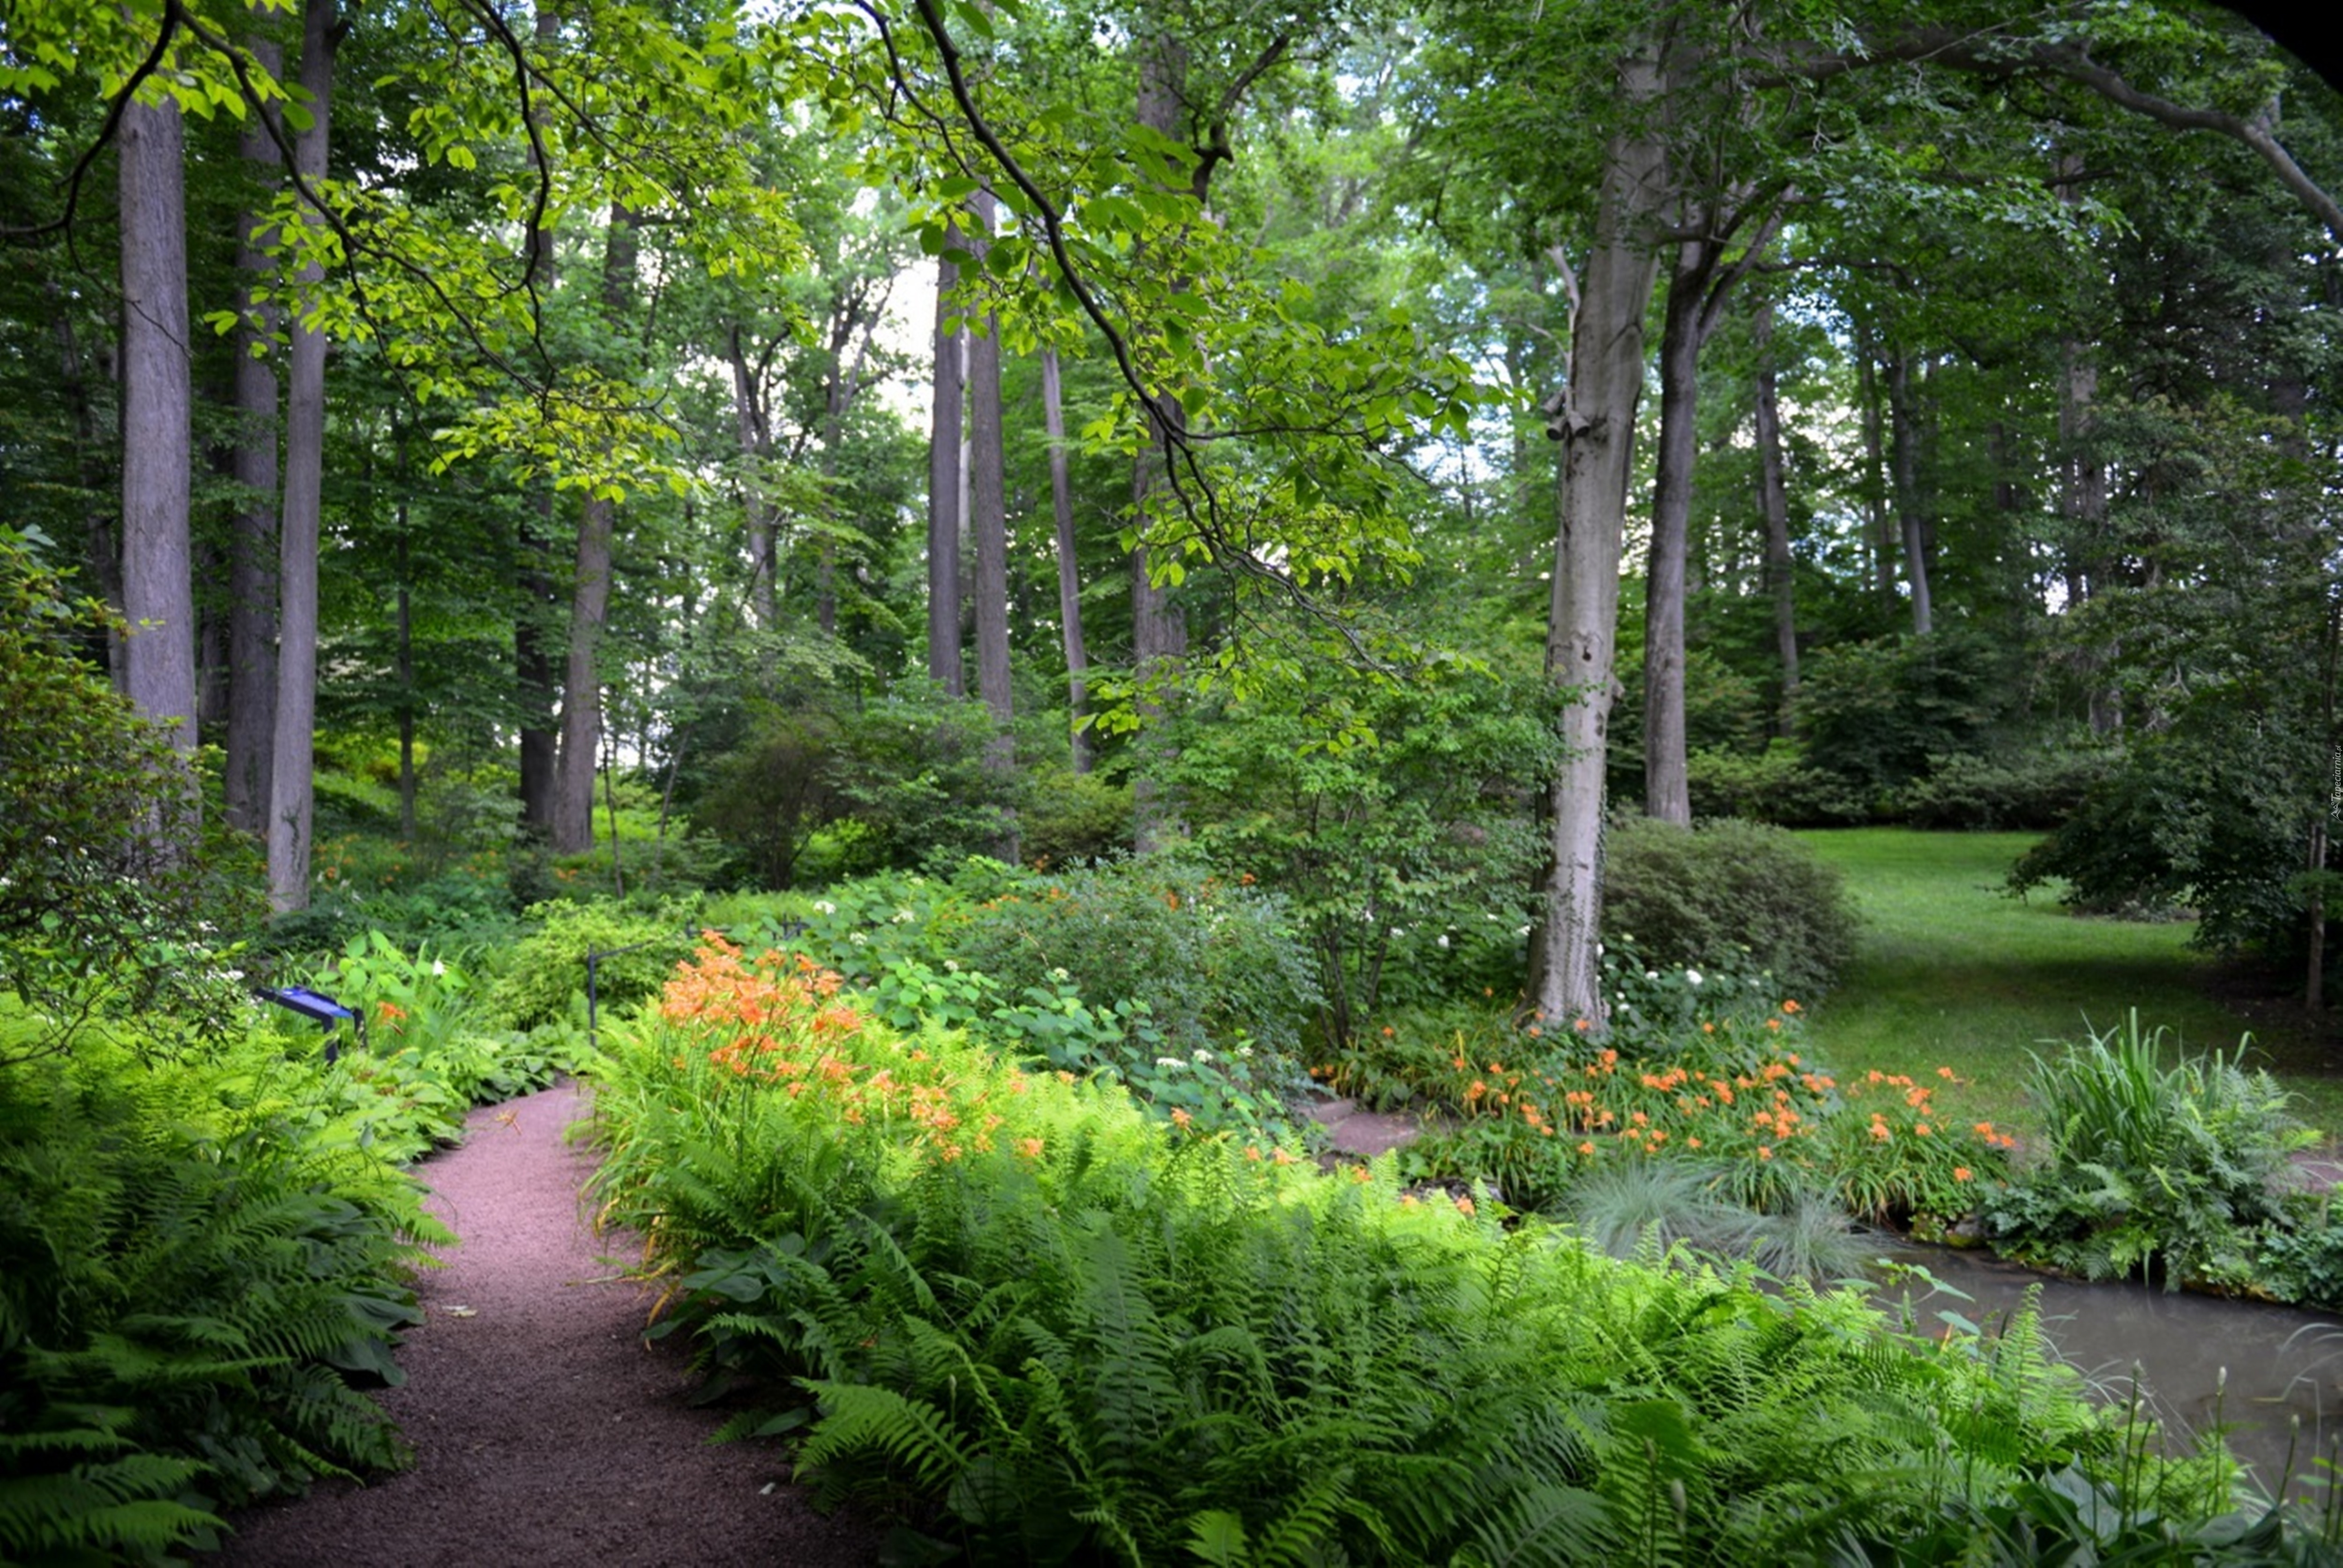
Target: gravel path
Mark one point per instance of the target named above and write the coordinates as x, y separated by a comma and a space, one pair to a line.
546, 1431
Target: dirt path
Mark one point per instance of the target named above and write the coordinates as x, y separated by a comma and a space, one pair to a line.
546, 1432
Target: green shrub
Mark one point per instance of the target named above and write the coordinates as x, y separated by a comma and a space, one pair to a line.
1056, 1332
546, 972
2038, 789
1772, 786
1071, 817
1873, 713
1729, 896
2144, 1163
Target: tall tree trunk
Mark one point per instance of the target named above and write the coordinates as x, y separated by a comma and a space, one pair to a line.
944, 489
590, 603
1668, 791
1070, 582
1158, 626
1880, 535
251, 738
534, 671
989, 525
1904, 421
157, 587
1597, 427
1773, 497
755, 433
291, 797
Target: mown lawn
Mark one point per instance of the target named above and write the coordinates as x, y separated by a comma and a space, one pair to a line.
1951, 972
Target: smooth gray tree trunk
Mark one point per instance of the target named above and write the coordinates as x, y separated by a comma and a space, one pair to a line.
1668, 791
158, 590
1070, 582
589, 601
291, 798
754, 431
989, 531
1597, 428
535, 675
251, 739
1774, 501
944, 489
1904, 445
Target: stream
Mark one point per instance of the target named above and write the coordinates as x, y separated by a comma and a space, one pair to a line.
2282, 1362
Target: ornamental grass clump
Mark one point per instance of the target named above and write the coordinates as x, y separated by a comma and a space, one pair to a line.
1040, 1326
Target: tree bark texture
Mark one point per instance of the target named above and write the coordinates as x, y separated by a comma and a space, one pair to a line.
989, 531
589, 601
158, 590
1159, 626
1904, 443
1597, 428
291, 798
251, 739
1774, 501
1070, 582
1668, 791
944, 489
754, 430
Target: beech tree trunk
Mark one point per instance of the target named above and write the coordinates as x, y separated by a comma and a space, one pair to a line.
1597, 428
291, 797
1159, 626
755, 432
1667, 791
1881, 534
590, 602
1904, 448
1773, 500
944, 490
157, 588
251, 739
1070, 582
989, 528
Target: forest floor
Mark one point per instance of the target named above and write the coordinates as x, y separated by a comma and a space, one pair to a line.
1950, 971
546, 1431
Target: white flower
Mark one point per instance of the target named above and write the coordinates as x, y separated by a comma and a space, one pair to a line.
857, 938
1061, 976
1203, 1055
1244, 1053
1168, 1062
439, 966
232, 976
1651, 974
1443, 939
824, 907
1693, 975
1397, 933
952, 966
904, 917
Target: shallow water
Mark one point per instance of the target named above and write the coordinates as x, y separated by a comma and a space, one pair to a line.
2282, 1363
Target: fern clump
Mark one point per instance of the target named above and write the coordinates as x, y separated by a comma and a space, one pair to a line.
1052, 1330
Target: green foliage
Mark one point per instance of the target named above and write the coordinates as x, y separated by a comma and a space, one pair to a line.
1873, 714
2037, 789
1069, 818
2147, 1164
187, 1283
1774, 785
1730, 895
1058, 1331
545, 972
1406, 858
103, 882
1184, 987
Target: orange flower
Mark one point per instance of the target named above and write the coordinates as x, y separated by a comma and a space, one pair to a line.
1921, 1128
1388, 1032
1464, 1205
1180, 1118
1962, 1174
1587, 1148
1791, 1007
1692, 1142
1281, 1156
1029, 1146
1946, 1073
1763, 1152
1252, 1154
1772, 1023
1582, 1025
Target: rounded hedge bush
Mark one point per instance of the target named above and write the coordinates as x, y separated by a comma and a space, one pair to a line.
1728, 895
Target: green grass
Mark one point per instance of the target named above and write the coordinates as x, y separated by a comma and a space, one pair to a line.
1951, 972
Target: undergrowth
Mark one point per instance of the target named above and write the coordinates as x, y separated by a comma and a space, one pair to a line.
1043, 1328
